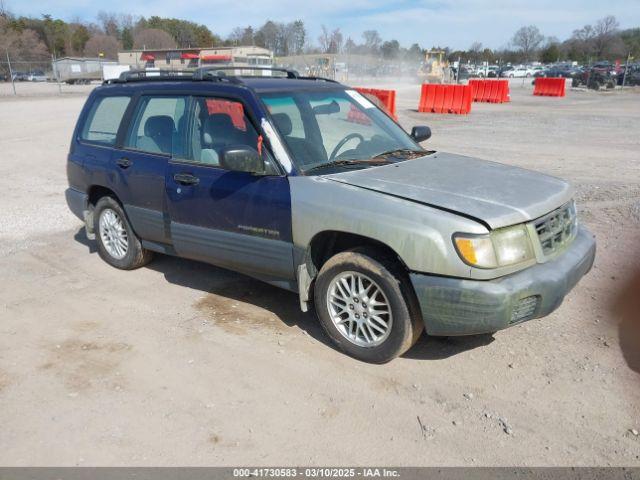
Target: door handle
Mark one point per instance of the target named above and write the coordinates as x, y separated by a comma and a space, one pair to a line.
124, 162
186, 179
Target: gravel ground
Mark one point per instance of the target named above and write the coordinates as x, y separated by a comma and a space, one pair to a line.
182, 363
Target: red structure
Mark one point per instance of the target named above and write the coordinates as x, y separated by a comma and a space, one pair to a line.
436, 98
491, 91
549, 87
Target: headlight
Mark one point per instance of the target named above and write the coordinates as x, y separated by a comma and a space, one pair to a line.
501, 247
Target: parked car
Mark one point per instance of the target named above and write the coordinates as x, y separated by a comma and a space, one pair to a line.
305, 184
531, 71
516, 72
20, 76
462, 74
520, 72
555, 72
503, 70
36, 76
488, 71
631, 77
493, 71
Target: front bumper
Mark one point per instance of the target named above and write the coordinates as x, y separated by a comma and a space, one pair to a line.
453, 306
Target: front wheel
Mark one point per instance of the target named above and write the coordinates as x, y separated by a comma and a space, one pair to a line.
366, 305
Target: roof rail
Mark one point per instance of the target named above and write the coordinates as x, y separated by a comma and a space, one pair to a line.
319, 79
210, 73
156, 74
204, 72
164, 75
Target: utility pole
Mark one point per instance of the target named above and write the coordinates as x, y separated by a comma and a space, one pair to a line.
626, 70
13, 84
55, 71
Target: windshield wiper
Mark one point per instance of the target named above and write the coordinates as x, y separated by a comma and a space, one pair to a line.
340, 163
401, 151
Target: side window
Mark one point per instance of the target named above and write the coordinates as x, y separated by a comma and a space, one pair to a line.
286, 115
219, 123
159, 126
103, 121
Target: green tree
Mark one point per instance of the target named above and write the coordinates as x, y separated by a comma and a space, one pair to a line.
184, 32
127, 38
415, 53
551, 53
631, 40
390, 49
55, 33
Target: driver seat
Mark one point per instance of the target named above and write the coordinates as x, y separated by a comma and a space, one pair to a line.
303, 150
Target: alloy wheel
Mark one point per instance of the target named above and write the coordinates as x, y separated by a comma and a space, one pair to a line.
359, 309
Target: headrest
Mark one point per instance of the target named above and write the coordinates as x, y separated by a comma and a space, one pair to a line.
218, 121
283, 122
158, 126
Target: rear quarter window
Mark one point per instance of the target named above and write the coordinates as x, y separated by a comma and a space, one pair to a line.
103, 121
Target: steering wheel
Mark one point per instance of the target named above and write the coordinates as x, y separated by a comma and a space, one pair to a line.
342, 143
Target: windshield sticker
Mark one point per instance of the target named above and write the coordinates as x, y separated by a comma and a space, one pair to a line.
364, 103
278, 149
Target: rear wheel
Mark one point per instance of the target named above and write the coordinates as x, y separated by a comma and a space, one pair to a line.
366, 305
118, 244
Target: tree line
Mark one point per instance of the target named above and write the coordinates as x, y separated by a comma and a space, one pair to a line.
38, 38
603, 40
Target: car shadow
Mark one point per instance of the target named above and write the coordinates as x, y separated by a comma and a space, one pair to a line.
283, 304
439, 348
81, 237
230, 285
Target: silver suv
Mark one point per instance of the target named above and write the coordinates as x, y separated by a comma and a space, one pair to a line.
305, 184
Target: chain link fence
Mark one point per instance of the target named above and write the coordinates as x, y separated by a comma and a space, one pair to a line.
19, 76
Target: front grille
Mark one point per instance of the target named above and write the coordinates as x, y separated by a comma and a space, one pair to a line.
524, 309
557, 229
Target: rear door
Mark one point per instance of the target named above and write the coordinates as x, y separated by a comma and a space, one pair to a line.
89, 161
156, 132
232, 219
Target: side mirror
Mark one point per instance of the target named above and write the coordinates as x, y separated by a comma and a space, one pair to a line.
420, 133
242, 159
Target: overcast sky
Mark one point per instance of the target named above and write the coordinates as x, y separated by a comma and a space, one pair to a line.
453, 23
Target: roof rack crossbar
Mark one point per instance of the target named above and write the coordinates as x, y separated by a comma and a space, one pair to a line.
203, 72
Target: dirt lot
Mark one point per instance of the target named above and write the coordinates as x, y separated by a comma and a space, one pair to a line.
181, 363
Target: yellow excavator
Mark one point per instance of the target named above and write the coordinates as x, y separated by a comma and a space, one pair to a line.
435, 68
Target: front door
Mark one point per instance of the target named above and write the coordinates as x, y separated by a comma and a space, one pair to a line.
236, 220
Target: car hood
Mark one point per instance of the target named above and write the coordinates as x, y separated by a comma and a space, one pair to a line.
495, 194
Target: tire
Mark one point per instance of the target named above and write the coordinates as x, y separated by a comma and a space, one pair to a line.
376, 269
125, 256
